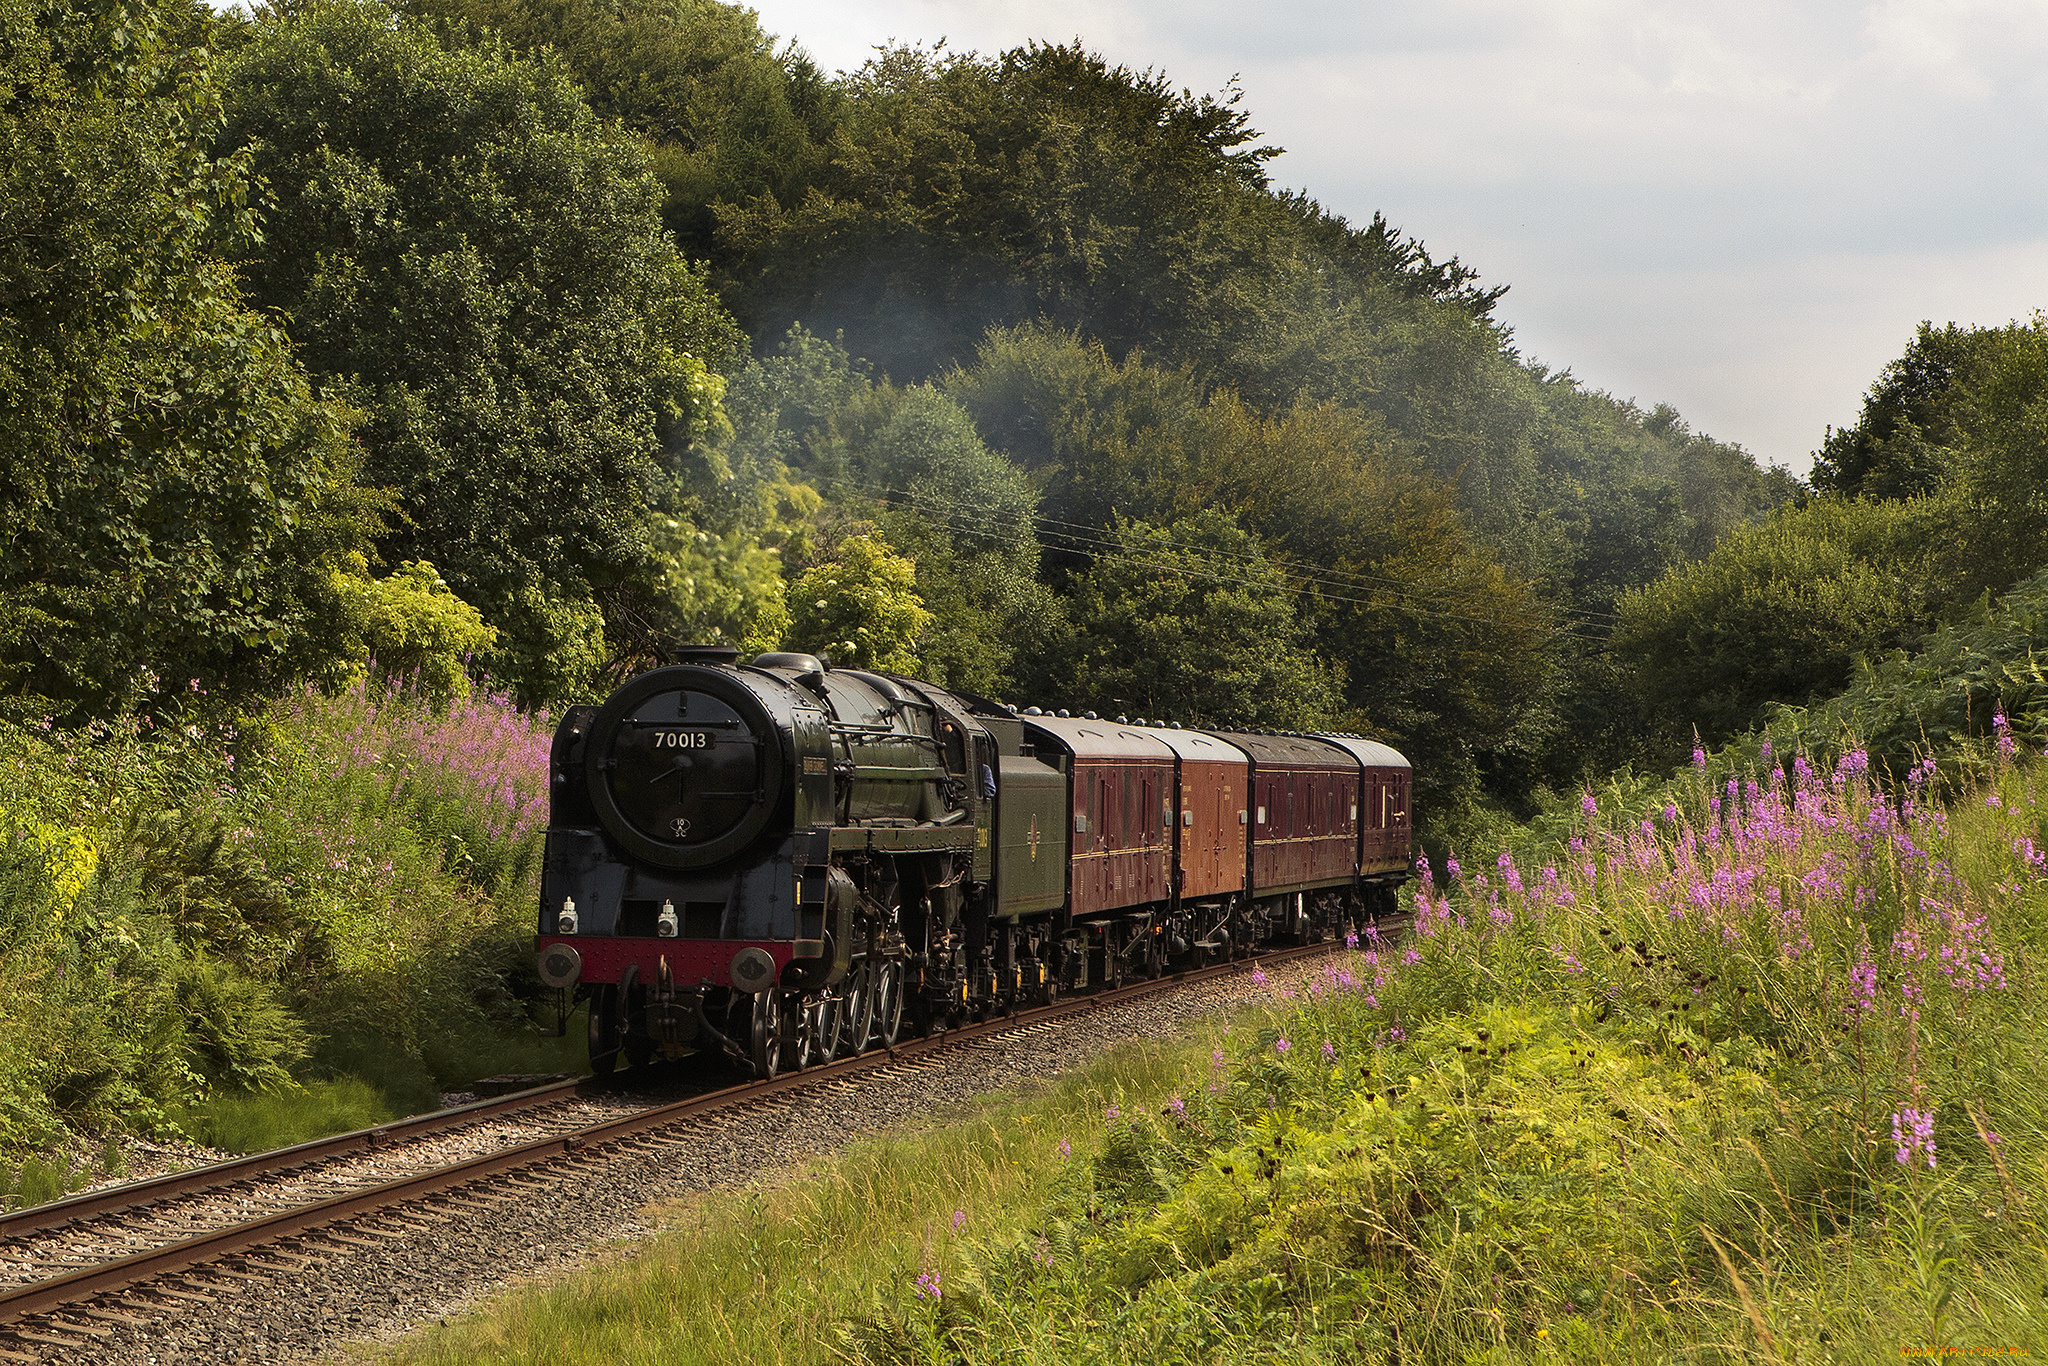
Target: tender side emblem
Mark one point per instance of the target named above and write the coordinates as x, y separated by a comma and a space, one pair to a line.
681, 827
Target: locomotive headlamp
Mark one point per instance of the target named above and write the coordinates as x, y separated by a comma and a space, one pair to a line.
561, 966
753, 970
666, 924
565, 923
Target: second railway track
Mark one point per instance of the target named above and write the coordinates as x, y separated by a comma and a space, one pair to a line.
90, 1268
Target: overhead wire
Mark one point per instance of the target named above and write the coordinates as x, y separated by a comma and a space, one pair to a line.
1307, 572
1084, 533
1089, 541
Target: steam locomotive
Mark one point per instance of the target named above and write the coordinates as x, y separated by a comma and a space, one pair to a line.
784, 862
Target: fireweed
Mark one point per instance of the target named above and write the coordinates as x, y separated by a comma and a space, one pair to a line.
1597, 1084
415, 830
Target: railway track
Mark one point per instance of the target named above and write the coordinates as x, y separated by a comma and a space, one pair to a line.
119, 1258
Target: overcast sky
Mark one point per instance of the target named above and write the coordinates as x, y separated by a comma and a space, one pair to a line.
1740, 209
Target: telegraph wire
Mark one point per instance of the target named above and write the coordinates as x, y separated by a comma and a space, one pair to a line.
1084, 533
1088, 542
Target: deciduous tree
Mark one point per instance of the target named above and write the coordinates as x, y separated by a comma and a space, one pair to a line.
467, 254
174, 501
1190, 623
860, 607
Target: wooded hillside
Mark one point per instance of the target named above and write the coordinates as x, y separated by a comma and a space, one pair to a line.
625, 318
351, 356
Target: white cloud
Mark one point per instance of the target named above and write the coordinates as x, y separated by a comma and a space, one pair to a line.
1977, 50
1788, 347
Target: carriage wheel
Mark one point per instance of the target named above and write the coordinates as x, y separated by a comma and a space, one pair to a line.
766, 1041
636, 1045
822, 1015
858, 1010
889, 1004
800, 1034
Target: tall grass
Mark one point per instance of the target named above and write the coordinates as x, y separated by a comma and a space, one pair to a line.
414, 833
1756, 1077
258, 1121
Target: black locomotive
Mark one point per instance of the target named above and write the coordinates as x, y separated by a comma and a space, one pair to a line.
785, 862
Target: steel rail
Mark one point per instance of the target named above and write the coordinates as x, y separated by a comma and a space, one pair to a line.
113, 1199
54, 1294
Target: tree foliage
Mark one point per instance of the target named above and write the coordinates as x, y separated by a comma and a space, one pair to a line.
1441, 649
411, 627
966, 515
931, 195
962, 192
1044, 184
860, 607
1939, 506
727, 117
175, 499
1780, 612
910, 462
2005, 449
475, 261
1066, 300
1190, 622
1963, 411
1907, 440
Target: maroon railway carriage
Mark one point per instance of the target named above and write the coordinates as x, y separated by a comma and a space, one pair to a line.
1304, 819
1384, 834
1211, 841
1212, 816
1121, 802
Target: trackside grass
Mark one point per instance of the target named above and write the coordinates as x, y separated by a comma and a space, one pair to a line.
1754, 1077
767, 1275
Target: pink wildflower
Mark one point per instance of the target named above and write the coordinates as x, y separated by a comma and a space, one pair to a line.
1913, 1132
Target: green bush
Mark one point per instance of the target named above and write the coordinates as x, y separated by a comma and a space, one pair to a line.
1780, 612
412, 626
194, 910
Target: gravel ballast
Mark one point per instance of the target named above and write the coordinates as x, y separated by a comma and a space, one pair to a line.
425, 1265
